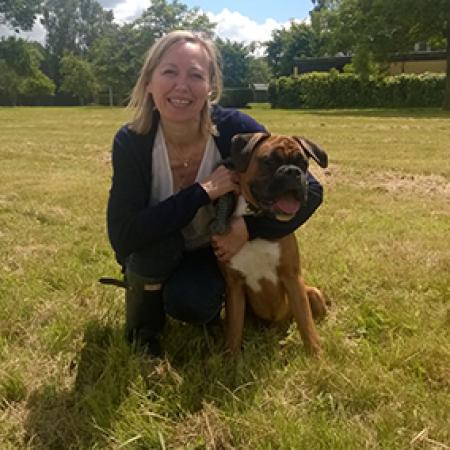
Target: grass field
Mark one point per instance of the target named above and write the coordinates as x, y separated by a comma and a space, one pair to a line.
379, 247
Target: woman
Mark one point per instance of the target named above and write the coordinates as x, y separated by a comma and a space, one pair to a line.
166, 174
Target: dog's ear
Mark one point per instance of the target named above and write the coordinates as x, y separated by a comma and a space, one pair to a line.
313, 150
242, 146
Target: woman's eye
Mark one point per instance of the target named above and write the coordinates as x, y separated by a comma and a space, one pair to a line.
197, 76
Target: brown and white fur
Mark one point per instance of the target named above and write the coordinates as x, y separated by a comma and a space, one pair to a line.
267, 273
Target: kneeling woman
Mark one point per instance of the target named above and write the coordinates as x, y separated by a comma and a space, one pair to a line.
165, 178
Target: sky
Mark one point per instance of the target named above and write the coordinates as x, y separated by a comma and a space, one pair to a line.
238, 20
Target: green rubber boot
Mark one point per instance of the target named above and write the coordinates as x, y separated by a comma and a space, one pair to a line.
144, 313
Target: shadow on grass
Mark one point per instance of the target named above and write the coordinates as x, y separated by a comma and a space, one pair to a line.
85, 415
211, 376
74, 418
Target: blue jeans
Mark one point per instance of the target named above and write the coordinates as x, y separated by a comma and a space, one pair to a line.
193, 288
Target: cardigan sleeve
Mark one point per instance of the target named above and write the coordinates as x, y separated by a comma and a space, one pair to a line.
132, 223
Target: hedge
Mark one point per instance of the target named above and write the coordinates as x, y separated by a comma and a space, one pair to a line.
236, 97
334, 90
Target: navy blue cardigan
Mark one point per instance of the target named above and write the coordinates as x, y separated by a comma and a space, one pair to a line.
133, 224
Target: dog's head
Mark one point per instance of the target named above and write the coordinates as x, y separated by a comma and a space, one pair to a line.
273, 171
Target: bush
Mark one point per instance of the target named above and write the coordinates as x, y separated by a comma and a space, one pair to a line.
236, 97
415, 90
284, 92
334, 90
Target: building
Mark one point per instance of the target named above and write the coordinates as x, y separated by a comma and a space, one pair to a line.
415, 62
260, 92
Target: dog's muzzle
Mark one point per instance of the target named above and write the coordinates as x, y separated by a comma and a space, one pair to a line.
289, 172
283, 194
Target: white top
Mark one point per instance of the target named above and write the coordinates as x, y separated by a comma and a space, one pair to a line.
196, 233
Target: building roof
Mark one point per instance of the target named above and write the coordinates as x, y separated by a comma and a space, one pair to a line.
324, 64
259, 86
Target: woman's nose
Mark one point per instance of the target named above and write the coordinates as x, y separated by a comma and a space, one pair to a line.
182, 82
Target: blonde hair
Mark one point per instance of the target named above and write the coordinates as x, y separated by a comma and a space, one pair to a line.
141, 101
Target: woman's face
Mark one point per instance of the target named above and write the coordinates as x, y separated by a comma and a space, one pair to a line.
180, 83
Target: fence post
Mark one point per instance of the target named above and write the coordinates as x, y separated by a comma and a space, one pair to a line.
111, 99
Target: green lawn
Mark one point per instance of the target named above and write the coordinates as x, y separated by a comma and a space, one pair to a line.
379, 247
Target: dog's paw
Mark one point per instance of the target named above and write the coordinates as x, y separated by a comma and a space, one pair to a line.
313, 348
318, 303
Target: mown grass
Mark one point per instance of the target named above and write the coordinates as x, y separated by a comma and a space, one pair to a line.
378, 246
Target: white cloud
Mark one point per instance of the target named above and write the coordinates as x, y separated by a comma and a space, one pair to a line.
236, 27
129, 10
37, 33
230, 24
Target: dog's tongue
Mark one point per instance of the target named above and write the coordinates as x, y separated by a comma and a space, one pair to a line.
287, 204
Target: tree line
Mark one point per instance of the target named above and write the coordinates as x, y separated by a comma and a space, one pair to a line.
87, 54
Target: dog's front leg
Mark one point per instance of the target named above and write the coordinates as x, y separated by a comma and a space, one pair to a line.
234, 317
301, 309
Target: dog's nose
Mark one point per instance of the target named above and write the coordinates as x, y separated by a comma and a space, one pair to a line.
289, 171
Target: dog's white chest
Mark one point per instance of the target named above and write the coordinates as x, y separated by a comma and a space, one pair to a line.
257, 260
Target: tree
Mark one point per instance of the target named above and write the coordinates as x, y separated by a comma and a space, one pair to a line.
117, 58
72, 27
36, 85
324, 21
78, 78
15, 53
162, 17
235, 62
373, 30
21, 74
18, 13
259, 70
299, 40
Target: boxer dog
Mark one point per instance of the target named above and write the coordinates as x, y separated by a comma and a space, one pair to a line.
266, 273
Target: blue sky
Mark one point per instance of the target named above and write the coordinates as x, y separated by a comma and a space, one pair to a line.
259, 11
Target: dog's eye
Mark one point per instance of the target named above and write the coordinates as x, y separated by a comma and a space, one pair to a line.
267, 162
275, 159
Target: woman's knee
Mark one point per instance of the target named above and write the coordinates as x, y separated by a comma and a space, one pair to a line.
158, 260
192, 305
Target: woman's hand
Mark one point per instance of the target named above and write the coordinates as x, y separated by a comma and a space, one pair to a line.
220, 182
227, 245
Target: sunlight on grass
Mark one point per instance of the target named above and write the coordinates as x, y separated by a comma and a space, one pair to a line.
378, 247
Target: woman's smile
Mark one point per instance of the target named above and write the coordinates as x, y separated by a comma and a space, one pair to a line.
179, 102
